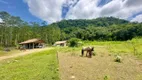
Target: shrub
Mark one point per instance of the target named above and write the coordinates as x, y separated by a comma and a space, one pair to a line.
118, 59
74, 42
106, 78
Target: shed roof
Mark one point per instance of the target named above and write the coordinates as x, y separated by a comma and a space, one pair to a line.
32, 41
60, 42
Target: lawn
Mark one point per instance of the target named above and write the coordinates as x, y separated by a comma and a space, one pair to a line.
40, 66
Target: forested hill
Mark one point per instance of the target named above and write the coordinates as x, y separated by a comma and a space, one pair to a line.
105, 28
99, 22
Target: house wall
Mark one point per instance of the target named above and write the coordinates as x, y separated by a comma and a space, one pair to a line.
33, 45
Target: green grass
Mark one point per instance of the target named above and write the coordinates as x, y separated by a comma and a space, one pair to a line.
4, 53
43, 65
40, 66
133, 46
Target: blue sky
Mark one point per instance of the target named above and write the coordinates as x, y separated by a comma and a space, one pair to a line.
56, 10
18, 8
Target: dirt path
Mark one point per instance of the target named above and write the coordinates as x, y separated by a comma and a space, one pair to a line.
74, 67
22, 53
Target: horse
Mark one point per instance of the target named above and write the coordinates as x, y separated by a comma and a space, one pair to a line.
89, 51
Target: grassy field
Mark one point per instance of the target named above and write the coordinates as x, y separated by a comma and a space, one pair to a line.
13, 51
133, 46
103, 65
44, 65
40, 66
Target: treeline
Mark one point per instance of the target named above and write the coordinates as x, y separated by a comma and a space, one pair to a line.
15, 30
99, 22
114, 32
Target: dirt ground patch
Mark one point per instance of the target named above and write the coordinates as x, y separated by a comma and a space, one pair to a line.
74, 67
22, 53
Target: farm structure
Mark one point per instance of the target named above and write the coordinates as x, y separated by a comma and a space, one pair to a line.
60, 43
33, 43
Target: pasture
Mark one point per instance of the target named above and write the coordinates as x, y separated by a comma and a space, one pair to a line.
102, 66
65, 63
39, 66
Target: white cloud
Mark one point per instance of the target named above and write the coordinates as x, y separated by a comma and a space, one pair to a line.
4, 2
116, 8
69, 3
51, 10
137, 19
84, 9
111, 8
1, 20
133, 3
48, 10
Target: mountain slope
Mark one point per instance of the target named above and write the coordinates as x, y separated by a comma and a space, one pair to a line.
99, 22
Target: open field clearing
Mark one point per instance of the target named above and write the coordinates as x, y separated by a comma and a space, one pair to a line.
101, 66
39, 66
98, 67
65, 63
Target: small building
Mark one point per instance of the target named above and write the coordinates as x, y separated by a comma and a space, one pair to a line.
60, 43
33, 43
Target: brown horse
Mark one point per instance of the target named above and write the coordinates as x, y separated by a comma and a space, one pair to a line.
89, 51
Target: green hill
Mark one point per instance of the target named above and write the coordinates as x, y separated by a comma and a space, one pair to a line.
104, 28
99, 22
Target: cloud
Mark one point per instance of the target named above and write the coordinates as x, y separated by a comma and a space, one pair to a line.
133, 3
67, 5
47, 10
1, 20
4, 2
55, 10
111, 8
84, 9
116, 8
137, 19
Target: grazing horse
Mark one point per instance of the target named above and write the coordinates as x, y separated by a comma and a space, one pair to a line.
89, 51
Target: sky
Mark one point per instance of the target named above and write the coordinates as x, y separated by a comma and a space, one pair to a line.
57, 10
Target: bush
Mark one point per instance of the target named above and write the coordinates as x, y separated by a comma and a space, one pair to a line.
118, 59
106, 78
74, 42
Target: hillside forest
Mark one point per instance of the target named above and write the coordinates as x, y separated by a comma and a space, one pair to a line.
14, 30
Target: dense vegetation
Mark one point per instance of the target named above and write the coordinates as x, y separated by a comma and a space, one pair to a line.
15, 30
107, 28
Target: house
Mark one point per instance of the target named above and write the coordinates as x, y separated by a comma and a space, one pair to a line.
32, 43
61, 43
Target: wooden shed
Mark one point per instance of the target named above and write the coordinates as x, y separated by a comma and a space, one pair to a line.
33, 43
60, 43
